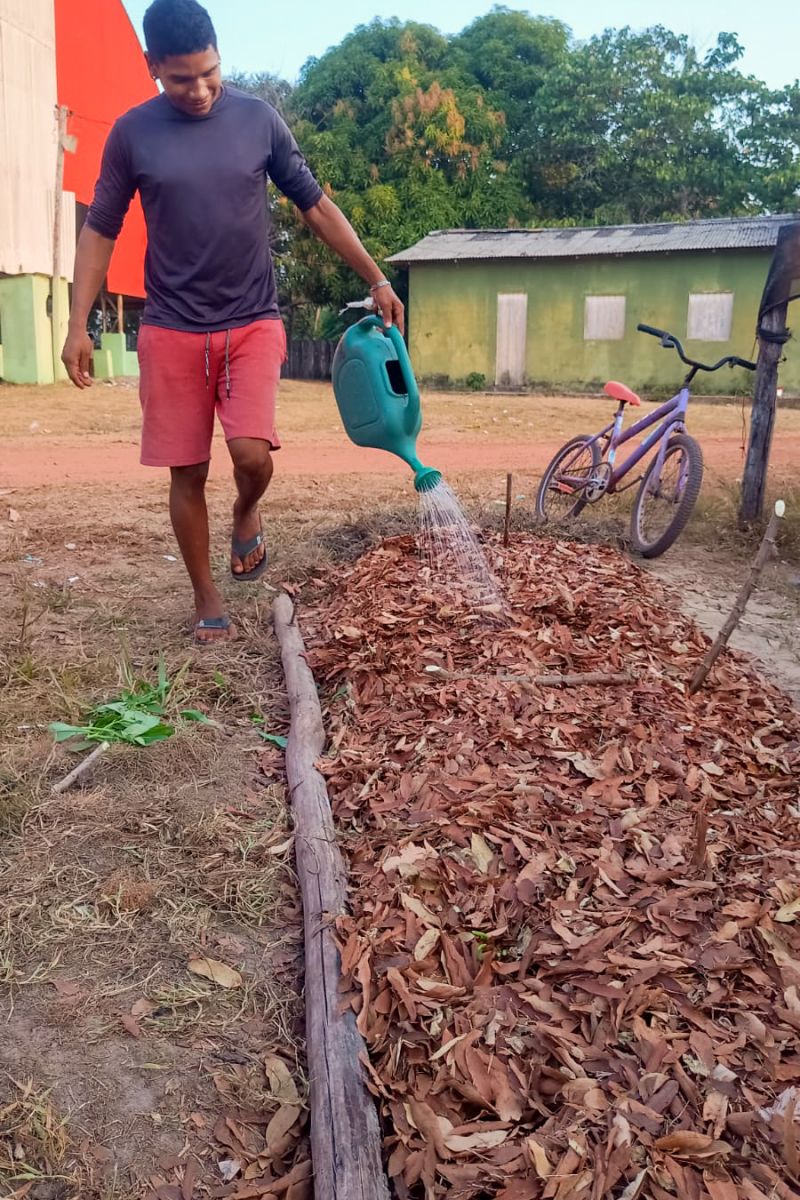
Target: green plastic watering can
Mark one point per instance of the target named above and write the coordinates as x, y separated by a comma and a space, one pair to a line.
377, 395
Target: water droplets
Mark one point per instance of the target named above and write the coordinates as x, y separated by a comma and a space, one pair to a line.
452, 554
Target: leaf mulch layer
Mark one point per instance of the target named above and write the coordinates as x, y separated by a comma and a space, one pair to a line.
574, 943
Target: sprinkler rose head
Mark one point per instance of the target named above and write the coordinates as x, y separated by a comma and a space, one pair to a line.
427, 478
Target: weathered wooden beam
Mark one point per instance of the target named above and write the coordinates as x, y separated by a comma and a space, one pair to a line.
773, 335
345, 1135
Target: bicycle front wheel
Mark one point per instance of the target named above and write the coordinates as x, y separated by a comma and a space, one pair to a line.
664, 503
561, 492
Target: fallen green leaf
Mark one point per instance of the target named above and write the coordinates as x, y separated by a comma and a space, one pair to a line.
275, 739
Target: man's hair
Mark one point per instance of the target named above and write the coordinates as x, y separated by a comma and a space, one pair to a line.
177, 27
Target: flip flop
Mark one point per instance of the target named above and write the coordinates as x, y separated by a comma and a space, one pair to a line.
224, 622
241, 550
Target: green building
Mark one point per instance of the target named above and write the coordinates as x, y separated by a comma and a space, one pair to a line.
558, 308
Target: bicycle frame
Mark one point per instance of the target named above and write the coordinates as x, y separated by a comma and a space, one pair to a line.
668, 417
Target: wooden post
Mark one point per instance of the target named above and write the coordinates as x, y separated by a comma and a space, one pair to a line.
345, 1135
62, 113
762, 418
507, 523
765, 552
120, 314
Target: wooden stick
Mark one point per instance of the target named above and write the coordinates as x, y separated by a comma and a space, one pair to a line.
765, 552
700, 854
507, 524
345, 1135
82, 769
589, 677
62, 114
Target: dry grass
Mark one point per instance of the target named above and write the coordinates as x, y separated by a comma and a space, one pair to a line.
107, 892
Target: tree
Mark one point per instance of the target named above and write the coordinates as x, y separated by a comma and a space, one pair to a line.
771, 144
272, 88
514, 122
406, 140
510, 55
636, 127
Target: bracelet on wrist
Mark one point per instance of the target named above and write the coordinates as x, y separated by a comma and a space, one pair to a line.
382, 283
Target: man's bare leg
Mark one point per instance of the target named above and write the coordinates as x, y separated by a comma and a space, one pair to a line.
187, 508
252, 470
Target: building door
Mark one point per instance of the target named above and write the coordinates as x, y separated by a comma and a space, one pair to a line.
512, 329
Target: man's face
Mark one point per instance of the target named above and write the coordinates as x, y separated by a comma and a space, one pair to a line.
192, 82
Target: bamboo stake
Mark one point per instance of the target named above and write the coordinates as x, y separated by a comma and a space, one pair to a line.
345, 1136
507, 524
765, 552
82, 769
577, 680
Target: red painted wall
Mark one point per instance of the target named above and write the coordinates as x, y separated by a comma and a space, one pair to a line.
101, 74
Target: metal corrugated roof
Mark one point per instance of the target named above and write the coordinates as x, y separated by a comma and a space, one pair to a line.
721, 233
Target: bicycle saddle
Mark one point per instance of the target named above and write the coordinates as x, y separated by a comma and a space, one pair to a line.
618, 391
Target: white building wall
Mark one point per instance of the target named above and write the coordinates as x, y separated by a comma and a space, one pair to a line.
28, 135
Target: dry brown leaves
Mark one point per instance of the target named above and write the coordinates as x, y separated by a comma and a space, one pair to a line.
574, 946
258, 1152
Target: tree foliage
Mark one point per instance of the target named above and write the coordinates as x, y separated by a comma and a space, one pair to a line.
515, 122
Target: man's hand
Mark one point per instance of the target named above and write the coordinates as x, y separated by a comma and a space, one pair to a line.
77, 357
389, 306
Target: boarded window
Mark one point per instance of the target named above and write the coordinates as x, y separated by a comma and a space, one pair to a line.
604, 319
710, 317
512, 337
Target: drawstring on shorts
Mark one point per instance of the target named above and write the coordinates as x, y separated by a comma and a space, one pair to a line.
227, 362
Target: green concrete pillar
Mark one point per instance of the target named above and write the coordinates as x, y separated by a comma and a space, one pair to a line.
123, 361
103, 364
25, 328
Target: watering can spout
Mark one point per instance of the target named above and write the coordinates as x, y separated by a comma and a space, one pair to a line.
377, 395
426, 479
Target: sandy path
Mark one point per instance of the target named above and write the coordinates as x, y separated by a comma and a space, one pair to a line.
35, 462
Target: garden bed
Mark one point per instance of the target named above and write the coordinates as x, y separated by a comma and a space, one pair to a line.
573, 944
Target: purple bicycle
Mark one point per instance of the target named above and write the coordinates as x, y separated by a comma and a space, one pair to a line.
584, 470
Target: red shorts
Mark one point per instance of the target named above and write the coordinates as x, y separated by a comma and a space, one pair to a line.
186, 377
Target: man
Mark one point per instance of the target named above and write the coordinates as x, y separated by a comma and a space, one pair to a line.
211, 338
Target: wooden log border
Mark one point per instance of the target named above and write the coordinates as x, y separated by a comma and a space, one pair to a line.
345, 1133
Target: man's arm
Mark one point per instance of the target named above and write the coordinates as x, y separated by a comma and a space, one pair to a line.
112, 196
289, 170
92, 259
332, 227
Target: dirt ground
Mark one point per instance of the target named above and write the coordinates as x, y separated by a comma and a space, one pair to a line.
117, 1064
59, 435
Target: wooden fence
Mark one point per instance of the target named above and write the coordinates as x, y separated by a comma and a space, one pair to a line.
309, 360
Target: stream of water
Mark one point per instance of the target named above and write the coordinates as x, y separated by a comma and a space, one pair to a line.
452, 553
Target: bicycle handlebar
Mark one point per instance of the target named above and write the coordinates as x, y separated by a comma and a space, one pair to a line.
669, 341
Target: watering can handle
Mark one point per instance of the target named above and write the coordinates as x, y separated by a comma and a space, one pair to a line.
396, 338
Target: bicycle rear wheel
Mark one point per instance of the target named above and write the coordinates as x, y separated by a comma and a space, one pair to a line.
560, 493
663, 507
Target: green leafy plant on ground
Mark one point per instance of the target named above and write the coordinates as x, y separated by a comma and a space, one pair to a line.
137, 717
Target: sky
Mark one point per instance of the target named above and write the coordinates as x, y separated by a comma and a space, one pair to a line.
256, 35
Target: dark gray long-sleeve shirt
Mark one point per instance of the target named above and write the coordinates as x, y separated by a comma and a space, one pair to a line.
202, 181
